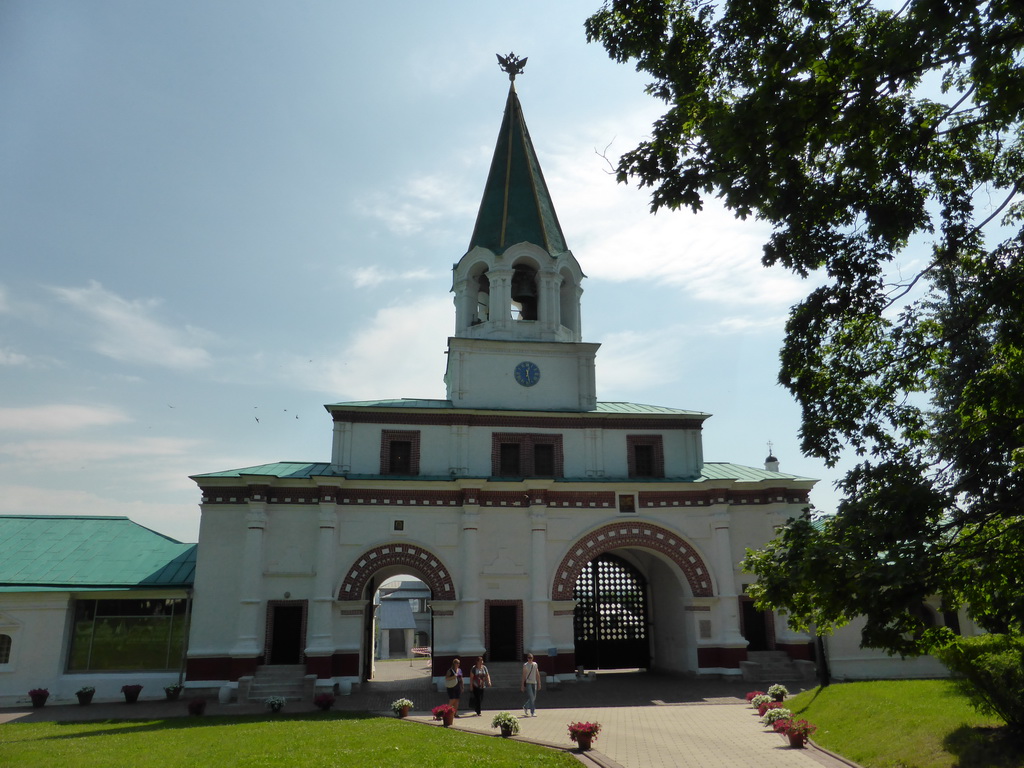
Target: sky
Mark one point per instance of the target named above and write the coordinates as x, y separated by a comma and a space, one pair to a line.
216, 217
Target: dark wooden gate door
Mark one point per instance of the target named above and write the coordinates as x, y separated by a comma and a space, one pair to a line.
501, 637
611, 616
287, 634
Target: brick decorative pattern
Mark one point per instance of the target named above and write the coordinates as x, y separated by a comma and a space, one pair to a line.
526, 442
581, 499
447, 419
410, 436
658, 449
518, 604
642, 535
456, 498
425, 564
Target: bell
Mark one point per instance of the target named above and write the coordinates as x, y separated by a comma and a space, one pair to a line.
524, 290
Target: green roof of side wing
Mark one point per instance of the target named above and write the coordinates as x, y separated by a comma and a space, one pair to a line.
79, 551
516, 206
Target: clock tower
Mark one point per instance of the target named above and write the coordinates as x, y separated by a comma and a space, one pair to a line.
517, 342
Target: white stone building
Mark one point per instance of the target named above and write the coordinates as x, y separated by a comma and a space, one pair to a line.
589, 533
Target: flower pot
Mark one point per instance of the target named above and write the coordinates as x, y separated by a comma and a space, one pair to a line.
403, 712
131, 695
506, 731
275, 707
796, 740
85, 697
172, 693
583, 740
779, 697
448, 718
38, 699
761, 709
197, 706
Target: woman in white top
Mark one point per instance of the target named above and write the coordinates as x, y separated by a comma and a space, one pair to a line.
530, 684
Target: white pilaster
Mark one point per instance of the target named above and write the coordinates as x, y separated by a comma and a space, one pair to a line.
321, 641
725, 570
539, 606
470, 615
248, 634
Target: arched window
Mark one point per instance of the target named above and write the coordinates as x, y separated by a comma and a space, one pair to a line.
5, 649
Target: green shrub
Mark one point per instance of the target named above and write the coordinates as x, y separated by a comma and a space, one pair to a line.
990, 673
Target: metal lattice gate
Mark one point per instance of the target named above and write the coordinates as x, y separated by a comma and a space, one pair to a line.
610, 620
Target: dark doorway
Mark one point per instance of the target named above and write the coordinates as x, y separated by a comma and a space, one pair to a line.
755, 627
287, 633
610, 620
502, 633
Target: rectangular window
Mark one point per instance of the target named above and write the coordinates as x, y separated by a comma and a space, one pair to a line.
517, 454
400, 452
645, 455
509, 465
127, 635
544, 460
401, 457
643, 458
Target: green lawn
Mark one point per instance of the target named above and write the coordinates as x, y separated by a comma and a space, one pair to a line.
906, 724
299, 741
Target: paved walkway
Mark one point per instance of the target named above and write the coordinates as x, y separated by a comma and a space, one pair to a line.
648, 721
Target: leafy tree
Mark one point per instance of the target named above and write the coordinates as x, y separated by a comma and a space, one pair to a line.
885, 147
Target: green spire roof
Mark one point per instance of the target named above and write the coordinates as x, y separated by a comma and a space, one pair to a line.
516, 205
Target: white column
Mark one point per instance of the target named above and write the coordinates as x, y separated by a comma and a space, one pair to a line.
539, 600
501, 298
729, 609
321, 640
470, 615
249, 637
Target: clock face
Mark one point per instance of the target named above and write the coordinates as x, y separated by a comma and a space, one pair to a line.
527, 373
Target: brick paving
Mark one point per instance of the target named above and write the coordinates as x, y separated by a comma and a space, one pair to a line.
648, 720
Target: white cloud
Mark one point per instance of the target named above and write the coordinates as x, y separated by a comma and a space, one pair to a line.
370, 276
81, 453
59, 418
9, 357
421, 202
127, 330
400, 354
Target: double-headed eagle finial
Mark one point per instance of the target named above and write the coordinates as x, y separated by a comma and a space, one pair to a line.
511, 64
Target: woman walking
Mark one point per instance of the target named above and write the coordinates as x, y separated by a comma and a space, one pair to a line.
530, 684
479, 678
453, 682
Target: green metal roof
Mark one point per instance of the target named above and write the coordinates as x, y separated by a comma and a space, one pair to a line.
77, 552
516, 205
610, 407
301, 470
722, 470
713, 470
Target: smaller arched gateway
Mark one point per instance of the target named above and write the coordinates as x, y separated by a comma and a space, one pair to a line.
371, 569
